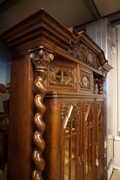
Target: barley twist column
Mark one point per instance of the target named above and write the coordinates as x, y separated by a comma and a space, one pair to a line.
40, 58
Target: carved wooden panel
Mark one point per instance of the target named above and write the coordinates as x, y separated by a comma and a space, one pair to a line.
61, 76
86, 80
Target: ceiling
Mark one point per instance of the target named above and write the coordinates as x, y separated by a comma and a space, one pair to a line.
71, 13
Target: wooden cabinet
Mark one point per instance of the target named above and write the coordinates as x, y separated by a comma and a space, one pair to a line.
56, 102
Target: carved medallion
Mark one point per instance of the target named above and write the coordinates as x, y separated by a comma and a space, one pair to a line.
85, 80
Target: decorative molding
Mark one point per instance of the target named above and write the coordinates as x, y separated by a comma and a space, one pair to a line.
40, 58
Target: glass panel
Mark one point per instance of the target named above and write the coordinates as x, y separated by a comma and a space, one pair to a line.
73, 161
61, 79
59, 73
67, 160
90, 149
68, 128
73, 126
70, 165
100, 140
65, 74
65, 80
62, 76
90, 118
87, 151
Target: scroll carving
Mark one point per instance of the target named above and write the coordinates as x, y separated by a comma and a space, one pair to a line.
100, 85
40, 58
85, 55
100, 82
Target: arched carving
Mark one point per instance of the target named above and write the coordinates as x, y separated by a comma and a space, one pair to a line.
40, 58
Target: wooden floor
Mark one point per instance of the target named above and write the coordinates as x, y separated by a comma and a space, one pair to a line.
115, 175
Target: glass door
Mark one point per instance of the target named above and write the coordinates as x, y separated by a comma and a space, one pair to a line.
88, 142
100, 141
70, 149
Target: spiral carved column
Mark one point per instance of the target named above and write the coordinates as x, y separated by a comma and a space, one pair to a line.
40, 58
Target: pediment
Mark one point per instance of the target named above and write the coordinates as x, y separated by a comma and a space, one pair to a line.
87, 51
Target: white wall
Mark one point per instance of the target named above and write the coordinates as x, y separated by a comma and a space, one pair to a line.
108, 39
116, 118
99, 31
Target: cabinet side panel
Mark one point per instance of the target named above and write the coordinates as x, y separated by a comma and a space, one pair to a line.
21, 120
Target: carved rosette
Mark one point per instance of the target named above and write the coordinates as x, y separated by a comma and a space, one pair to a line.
40, 58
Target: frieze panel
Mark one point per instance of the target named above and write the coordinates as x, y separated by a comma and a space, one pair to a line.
85, 55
